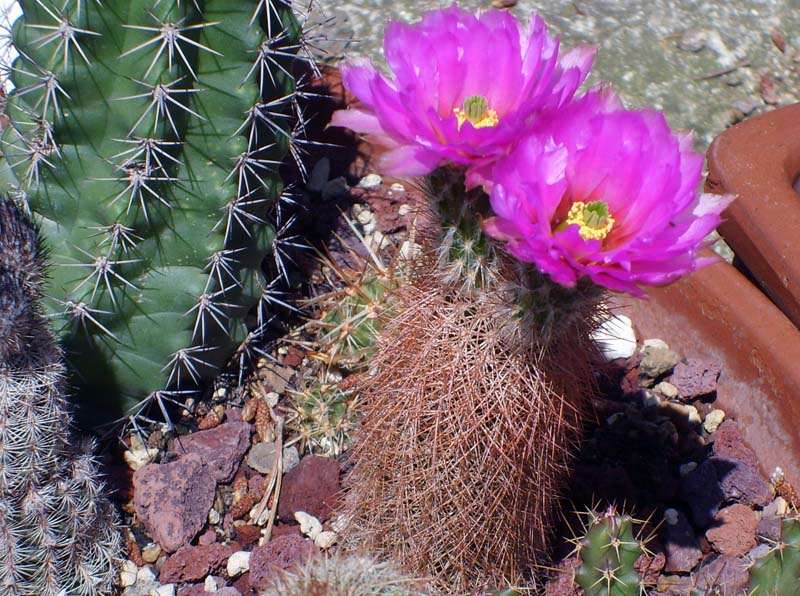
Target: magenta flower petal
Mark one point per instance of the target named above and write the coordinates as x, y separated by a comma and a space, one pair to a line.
624, 210
453, 60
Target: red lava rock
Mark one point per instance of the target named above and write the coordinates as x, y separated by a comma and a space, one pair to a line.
695, 378
194, 563
294, 357
227, 591
769, 528
312, 486
247, 534
727, 575
242, 584
199, 590
700, 490
221, 448
681, 547
172, 500
737, 468
735, 532
207, 537
278, 553
649, 568
563, 583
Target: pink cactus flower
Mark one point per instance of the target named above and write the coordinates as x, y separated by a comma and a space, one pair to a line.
463, 88
606, 193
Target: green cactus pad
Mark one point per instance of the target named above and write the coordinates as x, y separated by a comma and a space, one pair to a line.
145, 138
778, 573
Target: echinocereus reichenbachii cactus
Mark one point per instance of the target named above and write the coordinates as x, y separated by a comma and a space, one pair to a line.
57, 529
145, 137
478, 388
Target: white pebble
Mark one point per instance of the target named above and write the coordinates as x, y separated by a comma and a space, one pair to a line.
140, 457
145, 575
272, 399
210, 584
325, 540
369, 227
397, 187
164, 590
713, 419
666, 389
214, 517
370, 182
694, 415
238, 563
127, 575
409, 250
684, 469
364, 217
654, 343
309, 525
777, 475
671, 516
291, 458
404, 210
616, 338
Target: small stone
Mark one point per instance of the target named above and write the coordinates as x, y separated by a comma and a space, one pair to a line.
686, 468
738, 470
713, 419
370, 227
759, 552
681, 546
370, 182
221, 448
193, 563
671, 516
666, 389
777, 508
695, 378
700, 490
151, 552
127, 573
769, 528
291, 458
693, 40
615, 338
319, 175
734, 532
325, 540
397, 187
309, 525
139, 458
238, 563
746, 106
210, 584
281, 552
365, 216
172, 500
404, 209
657, 361
261, 457
724, 571
694, 416
165, 590
313, 486
649, 399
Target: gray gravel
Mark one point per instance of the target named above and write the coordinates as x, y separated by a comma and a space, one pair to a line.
705, 64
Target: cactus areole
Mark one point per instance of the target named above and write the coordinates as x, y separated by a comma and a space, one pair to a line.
145, 137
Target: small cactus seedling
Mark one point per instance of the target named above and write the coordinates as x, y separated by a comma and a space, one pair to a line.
778, 573
353, 575
608, 549
58, 531
322, 415
145, 137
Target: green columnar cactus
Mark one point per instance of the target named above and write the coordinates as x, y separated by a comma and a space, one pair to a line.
778, 573
57, 529
145, 137
608, 550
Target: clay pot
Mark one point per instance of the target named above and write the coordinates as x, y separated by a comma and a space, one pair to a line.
717, 313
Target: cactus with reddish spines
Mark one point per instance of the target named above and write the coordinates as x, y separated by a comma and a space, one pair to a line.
145, 137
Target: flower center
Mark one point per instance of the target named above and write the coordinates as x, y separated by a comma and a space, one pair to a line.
476, 110
594, 219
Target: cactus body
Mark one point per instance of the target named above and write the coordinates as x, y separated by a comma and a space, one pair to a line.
353, 575
609, 549
57, 529
471, 404
778, 573
145, 137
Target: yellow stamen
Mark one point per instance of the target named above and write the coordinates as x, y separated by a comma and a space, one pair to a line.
476, 110
594, 219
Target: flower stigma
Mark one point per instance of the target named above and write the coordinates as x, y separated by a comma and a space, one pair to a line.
476, 110
594, 219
